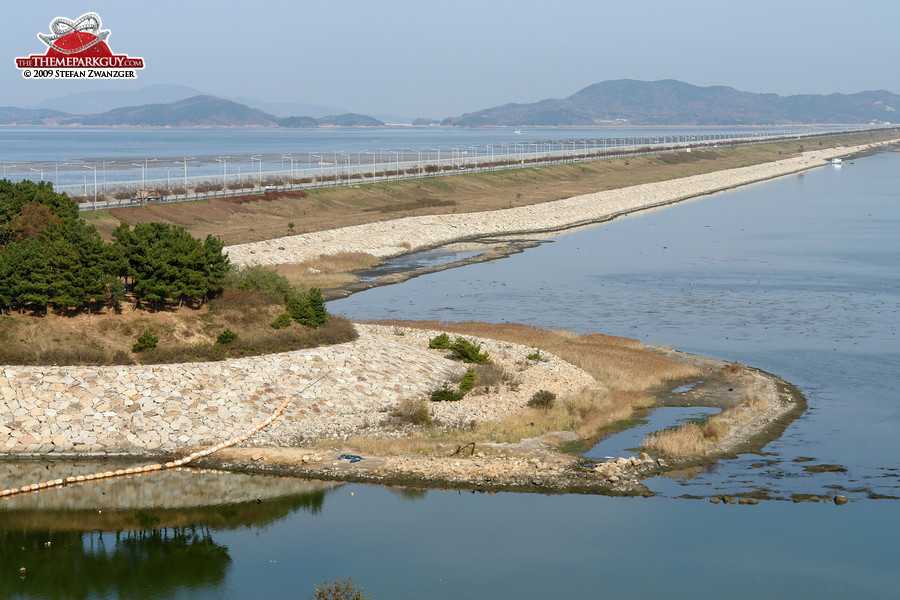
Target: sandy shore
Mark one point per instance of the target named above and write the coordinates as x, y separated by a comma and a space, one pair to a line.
400, 236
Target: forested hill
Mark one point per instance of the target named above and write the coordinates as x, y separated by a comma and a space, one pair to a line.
670, 102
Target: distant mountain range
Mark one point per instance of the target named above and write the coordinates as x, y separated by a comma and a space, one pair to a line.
86, 103
196, 111
671, 102
620, 102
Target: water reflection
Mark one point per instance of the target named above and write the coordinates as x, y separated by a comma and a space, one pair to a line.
75, 565
148, 536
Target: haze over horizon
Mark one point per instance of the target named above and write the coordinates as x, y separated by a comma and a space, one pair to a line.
431, 60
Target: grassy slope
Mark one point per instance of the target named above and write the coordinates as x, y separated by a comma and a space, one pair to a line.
327, 208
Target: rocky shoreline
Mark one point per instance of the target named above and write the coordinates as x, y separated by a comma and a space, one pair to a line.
538, 464
396, 237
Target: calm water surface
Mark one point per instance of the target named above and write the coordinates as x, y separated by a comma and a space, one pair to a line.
797, 276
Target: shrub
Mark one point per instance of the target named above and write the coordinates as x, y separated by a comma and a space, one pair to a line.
490, 375
468, 381
468, 351
542, 399
536, 355
263, 281
412, 411
226, 337
445, 394
308, 308
339, 590
441, 342
283, 320
145, 340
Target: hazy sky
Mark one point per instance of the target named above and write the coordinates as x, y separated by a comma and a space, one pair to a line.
438, 59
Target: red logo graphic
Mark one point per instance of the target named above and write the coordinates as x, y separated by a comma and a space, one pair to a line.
78, 49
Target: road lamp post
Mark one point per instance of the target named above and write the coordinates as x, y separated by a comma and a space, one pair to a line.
143, 167
94, 168
291, 156
321, 168
224, 161
184, 164
258, 158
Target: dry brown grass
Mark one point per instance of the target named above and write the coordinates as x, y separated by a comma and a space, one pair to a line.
328, 208
755, 404
327, 271
619, 363
586, 413
687, 440
185, 335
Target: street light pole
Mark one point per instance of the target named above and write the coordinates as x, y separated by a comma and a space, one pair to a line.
143, 167
184, 163
224, 161
258, 158
94, 168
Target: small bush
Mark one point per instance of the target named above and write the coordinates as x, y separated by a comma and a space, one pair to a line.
441, 342
308, 308
226, 337
492, 376
339, 590
445, 394
468, 381
145, 340
542, 399
412, 411
263, 281
283, 320
468, 351
536, 355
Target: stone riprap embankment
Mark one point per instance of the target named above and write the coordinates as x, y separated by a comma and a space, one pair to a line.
399, 236
167, 408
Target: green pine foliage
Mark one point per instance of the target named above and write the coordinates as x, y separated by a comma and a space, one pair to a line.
440, 342
145, 341
167, 264
49, 257
468, 381
446, 394
468, 351
283, 320
308, 308
226, 337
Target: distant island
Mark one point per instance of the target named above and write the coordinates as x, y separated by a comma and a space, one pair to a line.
196, 111
623, 102
670, 102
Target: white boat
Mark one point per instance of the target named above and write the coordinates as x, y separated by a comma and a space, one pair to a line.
836, 161
518, 132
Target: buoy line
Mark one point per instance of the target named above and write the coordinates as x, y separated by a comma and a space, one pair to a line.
54, 483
